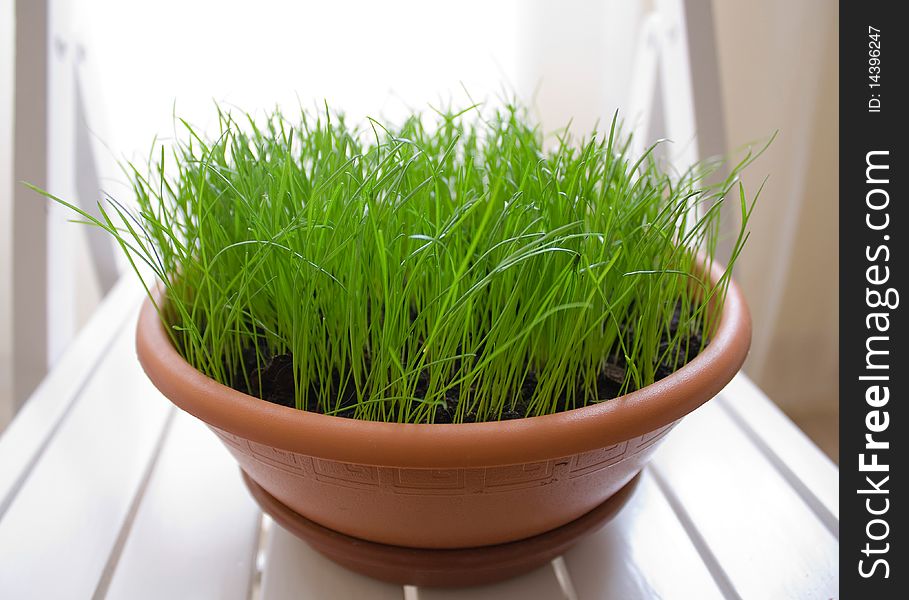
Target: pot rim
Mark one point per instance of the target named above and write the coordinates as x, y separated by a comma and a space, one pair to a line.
462, 445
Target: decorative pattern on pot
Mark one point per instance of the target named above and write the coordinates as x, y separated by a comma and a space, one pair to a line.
563, 490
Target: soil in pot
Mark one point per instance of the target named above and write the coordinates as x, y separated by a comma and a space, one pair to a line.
273, 381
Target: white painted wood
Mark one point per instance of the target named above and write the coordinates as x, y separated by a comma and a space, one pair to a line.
676, 85
644, 552
704, 71
540, 584
59, 531
707, 102
294, 571
563, 576
26, 437
666, 79
49, 150
73, 175
675, 91
643, 85
87, 163
195, 534
61, 235
805, 467
756, 533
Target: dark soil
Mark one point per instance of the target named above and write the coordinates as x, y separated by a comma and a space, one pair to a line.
276, 380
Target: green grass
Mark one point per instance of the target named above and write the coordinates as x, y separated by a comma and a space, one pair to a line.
449, 261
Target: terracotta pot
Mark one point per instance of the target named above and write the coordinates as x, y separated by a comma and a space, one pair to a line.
447, 485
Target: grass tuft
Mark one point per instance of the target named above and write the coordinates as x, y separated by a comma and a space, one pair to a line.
454, 271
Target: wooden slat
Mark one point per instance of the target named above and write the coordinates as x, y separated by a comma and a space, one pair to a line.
540, 584
677, 101
60, 529
804, 465
643, 86
26, 437
294, 571
196, 531
643, 553
754, 531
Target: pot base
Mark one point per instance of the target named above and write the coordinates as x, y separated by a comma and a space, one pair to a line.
458, 567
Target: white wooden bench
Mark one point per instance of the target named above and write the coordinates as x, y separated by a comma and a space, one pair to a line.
108, 491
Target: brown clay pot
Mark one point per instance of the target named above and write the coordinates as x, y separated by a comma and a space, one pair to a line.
446, 486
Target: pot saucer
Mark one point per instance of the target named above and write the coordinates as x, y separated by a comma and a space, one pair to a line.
458, 567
